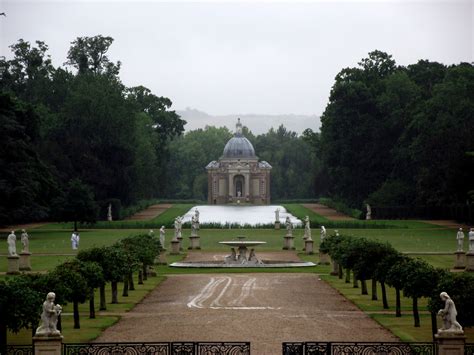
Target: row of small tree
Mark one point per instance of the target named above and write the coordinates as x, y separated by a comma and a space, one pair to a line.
75, 281
414, 278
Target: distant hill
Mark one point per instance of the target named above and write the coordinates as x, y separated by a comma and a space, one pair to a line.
258, 124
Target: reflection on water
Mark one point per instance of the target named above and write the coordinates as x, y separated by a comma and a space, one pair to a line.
252, 215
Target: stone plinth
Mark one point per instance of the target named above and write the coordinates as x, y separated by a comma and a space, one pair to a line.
25, 264
277, 225
289, 242
335, 268
459, 260
161, 259
450, 343
194, 243
48, 345
323, 258
308, 246
175, 244
13, 265
470, 260
180, 246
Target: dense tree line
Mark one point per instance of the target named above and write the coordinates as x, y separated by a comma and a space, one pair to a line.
394, 135
292, 157
77, 127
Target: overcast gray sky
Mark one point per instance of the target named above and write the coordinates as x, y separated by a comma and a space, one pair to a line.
262, 58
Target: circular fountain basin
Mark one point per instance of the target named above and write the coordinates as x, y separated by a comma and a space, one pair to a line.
242, 243
220, 264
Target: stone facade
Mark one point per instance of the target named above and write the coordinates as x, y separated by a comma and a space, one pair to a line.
238, 176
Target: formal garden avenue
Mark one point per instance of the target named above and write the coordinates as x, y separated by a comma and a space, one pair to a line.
261, 308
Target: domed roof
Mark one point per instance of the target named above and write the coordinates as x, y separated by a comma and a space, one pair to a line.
239, 146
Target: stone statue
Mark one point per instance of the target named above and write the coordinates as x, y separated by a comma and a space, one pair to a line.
49, 317
151, 233
289, 226
180, 225
337, 233
194, 226
323, 233
25, 241
307, 229
471, 239
109, 213
162, 236
460, 239
75, 240
176, 228
448, 314
229, 259
368, 215
196, 213
11, 240
277, 215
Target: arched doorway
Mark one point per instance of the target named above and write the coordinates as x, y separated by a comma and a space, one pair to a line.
239, 186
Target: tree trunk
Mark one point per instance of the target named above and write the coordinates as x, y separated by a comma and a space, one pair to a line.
145, 273
77, 325
125, 286
434, 324
131, 285
374, 290
416, 315
59, 325
103, 305
340, 274
364, 287
140, 277
75, 226
398, 307
91, 304
114, 292
348, 276
384, 296
355, 283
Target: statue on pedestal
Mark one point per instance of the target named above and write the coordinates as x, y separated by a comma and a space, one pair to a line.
75, 238
448, 314
471, 239
368, 215
49, 317
162, 236
307, 229
323, 233
180, 226
196, 213
289, 227
25, 242
277, 215
460, 239
11, 240
109, 213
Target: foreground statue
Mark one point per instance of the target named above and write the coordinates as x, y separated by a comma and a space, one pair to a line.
448, 314
323, 233
460, 239
11, 240
49, 317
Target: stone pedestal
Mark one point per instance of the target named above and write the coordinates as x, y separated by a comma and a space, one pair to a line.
277, 225
13, 265
175, 244
323, 258
194, 243
335, 268
288, 242
161, 259
450, 343
48, 345
470, 260
180, 241
25, 264
308, 246
459, 260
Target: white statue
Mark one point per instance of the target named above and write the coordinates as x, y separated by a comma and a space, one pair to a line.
229, 259
368, 215
109, 213
323, 233
196, 213
448, 314
307, 229
460, 239
337, 233
75, 240
176, 228
194, 226
180, 226
277, 215
471, 239
49, 317
11, 240
289, 226
151, 233
162, 236
25, 241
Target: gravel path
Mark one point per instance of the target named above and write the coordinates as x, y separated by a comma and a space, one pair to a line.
327, 212
149, 213
265, 309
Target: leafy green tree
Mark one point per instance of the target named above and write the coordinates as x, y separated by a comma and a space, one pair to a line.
396, 278
76, 204
116, 266
97, 255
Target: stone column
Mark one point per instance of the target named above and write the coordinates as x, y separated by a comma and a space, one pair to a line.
13, 265
308, 246
180, 245
470, 260
175, 244
25, 264
450, 344
246, 195
459, 260
48, 345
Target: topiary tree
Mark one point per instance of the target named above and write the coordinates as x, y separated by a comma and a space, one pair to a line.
396, 277
115, 267
96, 255
390, 257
